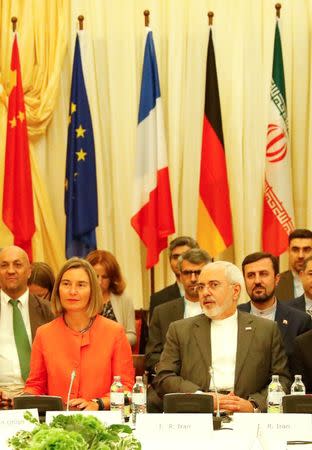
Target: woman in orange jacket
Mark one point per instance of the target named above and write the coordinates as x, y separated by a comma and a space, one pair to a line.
80, 344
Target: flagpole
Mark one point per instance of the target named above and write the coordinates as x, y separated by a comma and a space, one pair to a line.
146, 17
146, 14
14, 22
80, 20
278, 7
210, 18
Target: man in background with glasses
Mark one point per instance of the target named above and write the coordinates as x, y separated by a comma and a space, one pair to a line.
177, 247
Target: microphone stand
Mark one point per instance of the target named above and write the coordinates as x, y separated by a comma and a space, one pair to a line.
217, 420
72, 377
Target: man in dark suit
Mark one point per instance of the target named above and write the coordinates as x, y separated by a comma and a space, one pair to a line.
243, 350
301, 361
190, 264
178, 246
299, 248
14, 273
304, 302
261, 277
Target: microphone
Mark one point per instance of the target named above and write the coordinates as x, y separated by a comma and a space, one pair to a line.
217, 419
72, 377
214, 388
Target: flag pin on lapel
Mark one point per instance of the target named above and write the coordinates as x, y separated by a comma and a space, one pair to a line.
285, 322
248, 328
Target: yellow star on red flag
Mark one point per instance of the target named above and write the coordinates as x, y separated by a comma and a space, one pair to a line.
21, 116
13, 122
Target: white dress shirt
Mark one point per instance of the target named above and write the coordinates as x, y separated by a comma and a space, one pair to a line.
298, 288
191, 309
223, 352
10, 372
268, 313
181, 288
308, 305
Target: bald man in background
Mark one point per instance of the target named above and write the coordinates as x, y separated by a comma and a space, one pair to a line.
14, 273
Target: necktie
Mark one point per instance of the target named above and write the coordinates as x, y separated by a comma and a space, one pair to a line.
21, 339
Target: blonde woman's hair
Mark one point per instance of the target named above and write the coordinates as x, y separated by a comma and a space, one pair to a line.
95, 305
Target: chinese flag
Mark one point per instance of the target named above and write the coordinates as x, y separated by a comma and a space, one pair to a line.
18, 209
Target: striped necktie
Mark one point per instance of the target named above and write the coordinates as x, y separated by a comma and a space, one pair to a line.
21, 339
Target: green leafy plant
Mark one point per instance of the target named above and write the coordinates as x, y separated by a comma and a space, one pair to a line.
74, 432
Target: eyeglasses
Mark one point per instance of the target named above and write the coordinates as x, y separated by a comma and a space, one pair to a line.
189, 273
175, 256
211, 285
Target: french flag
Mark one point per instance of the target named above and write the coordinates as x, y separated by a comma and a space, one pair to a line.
153, 216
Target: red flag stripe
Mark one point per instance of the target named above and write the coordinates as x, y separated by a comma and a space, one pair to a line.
152, 218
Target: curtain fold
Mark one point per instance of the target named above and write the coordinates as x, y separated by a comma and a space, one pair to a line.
243, 40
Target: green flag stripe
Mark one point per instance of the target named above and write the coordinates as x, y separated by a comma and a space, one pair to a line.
278, 66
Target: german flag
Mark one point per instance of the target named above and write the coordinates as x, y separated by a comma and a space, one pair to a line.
214, 224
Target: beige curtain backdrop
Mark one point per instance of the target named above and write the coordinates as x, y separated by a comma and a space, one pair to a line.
112, 52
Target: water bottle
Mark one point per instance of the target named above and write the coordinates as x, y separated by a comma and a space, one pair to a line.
117, 396
138, 398
298, 388
275, 396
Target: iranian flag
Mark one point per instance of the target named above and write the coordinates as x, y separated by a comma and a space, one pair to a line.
278, 211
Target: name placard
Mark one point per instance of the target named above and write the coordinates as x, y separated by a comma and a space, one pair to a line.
106, 417
13, 420
157, 428
284, 427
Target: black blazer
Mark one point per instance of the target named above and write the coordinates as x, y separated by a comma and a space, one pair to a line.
298, 303
171, 292
291, 322
163, 316
301, 360
285, 289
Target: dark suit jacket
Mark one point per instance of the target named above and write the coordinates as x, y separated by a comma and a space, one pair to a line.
285, 289
301, 359
165, 295
39, 313
162, 317
291, 322
186, 358
298, 303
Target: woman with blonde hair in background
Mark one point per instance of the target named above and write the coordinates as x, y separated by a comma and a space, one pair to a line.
117, 305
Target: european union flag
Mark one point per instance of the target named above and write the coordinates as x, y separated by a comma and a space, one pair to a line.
81, 206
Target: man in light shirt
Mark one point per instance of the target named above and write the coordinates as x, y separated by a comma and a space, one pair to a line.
261, 278
299, 248
14, 273
190, 264
243, 351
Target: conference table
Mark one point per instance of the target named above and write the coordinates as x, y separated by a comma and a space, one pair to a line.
195, 432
